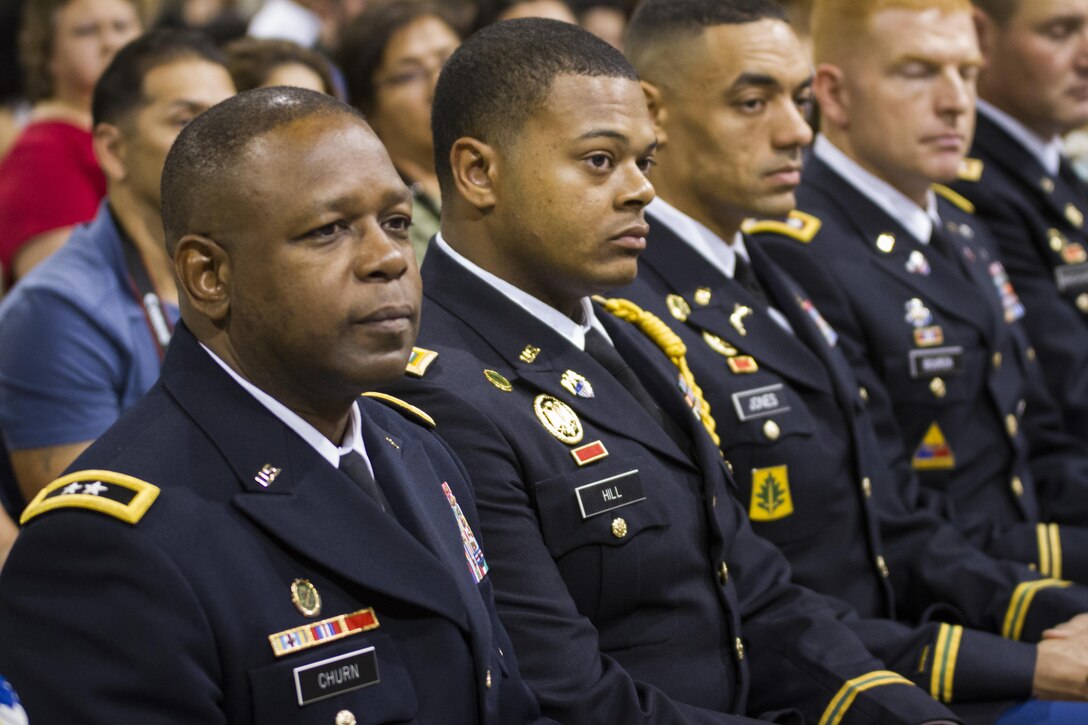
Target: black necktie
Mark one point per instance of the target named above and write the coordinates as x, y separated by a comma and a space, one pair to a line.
742, 272
601, 350
941, 243
355, 468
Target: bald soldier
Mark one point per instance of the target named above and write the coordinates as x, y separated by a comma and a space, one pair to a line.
251, 543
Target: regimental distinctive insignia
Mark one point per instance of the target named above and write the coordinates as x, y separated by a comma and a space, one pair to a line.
590, 452
771, 498
702, 296
742, 364
108, 492
933, 453
529, 353
419, 361
267, 474
323, 632
885, 242
1056, 240
576, 384
1010, 301
917, 314
558, 418
826, 330
498, 380
918, 264
929, 336
678, 307
719, 345
305, 597
1074, 254
474, 555
736, 319
1074, 215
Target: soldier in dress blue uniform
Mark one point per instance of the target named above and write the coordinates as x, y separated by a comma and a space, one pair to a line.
1032, 91
205, 561
922, 305
621, 558
790, 414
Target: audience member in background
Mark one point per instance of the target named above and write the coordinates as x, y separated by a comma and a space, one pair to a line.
311, 23
221, 20
257, 63
606, 19
391, 56
49, 180
82, 338
493, 11
13, 104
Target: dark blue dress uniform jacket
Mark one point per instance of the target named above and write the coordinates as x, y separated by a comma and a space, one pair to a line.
1039, 223
667, 609
955, 391
798, 415
168, 620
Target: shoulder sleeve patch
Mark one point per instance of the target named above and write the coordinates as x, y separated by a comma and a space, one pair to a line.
798, 225
404, 407
419, 361
957, 199
114, 494
971, 169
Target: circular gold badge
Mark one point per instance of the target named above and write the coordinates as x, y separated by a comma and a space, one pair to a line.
678, 307
305, 597
497, 379
558, 418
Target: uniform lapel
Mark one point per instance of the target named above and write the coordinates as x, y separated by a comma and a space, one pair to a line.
285, 486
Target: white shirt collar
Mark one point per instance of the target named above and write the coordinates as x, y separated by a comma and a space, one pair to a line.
916, 220
1047, 153
353, 437
553, 318
722, 255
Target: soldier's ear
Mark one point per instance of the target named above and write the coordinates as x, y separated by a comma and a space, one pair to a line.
985, 29
829, 87
659, 115
109, 149
476, 166
203, 270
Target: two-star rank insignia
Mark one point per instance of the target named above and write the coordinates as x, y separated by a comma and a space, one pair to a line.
108, 492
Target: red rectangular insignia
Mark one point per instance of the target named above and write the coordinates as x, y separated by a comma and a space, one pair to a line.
742, 364
929, 336
589, 453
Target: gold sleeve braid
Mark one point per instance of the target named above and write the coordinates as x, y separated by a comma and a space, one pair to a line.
671, 344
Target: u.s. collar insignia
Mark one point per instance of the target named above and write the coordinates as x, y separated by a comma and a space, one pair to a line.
736, 319
305, 597
678, 307
558, 418
267, 474
1074, 215
498, 380
886, 242
529, 353
719, 345
577, 384
702, 296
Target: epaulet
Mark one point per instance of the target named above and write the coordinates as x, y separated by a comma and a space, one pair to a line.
957, 199
408, 409
108, 492
797, 225
971, 169
419, 361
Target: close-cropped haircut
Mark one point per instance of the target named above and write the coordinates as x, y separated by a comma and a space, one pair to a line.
504, 73
660, 23
120, 89
251, 61
1001, 11
838, 24
364, 41
211, 147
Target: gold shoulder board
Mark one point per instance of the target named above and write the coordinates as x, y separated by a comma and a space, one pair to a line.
408, 409
957, 199
797, 225
971, 169
419, 361
115, 494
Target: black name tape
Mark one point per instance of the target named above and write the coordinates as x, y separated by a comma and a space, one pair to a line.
336, 675
760, 402
936, 361
1072, 277
609, 493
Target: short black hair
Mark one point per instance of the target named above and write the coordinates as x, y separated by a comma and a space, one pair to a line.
207, 150
503, 74
365, 39
120, 89
658, 21
1001, 11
